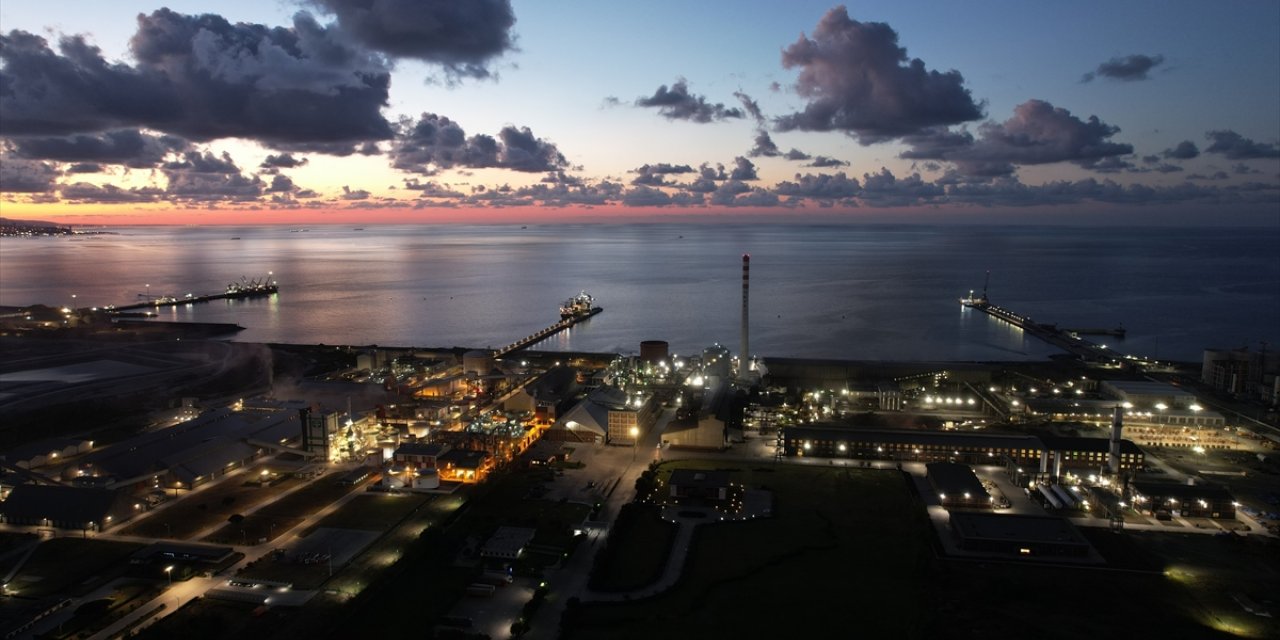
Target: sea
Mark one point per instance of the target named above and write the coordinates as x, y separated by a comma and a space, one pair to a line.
839, 291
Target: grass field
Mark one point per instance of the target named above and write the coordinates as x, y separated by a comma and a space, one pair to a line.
636, 551
374, 511
282, 515
67, 566
205, 507
842, 557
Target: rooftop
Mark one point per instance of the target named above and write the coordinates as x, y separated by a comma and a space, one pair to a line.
1015, 528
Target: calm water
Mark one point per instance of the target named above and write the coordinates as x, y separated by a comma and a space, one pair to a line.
857, 292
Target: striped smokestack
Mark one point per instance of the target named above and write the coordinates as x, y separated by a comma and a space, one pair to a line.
744, 355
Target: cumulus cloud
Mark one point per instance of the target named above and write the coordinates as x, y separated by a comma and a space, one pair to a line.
764, 146
461, 36
1237, 147
859, 81
676, 103
655, 175
826, 161
1127, 68
435, 143
1038, 133
85, 192
1185, 150
743, 169
353, 194
204, 177
19, 175
128, 147
796, 154
200, 78
820, 186
283, 161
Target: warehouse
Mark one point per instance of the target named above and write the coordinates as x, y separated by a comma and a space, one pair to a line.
1017, 535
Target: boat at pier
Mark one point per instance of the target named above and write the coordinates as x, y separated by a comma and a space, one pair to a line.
579, 306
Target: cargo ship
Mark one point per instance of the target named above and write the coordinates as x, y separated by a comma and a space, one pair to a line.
579, 306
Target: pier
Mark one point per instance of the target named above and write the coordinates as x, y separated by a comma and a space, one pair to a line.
242, 290
1065, 339
546, 332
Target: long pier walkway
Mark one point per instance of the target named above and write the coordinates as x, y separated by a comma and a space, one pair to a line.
1063, 339
545, 333
233, 292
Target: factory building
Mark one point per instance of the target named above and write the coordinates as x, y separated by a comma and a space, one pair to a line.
957, 486
320, 431
66, 507
613, 416
1050, 455
1243, 373
1145, 393
706, 427
1021, 535
195, 452
711, 486
1162, 499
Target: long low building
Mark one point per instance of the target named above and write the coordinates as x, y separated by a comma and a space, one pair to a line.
951, 446
1189, 501
1017, 534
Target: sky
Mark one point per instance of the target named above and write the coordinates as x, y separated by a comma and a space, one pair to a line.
315, 111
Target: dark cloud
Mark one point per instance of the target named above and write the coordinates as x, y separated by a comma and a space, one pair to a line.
1237, 147
432, 189
1112, 165
859, 81
201, 78
435, 143
520, 150
83, 192
1185, 150
708, 172
283, 161
353, 194
677, 103
281, 184
1219, 175
820, 186
128, 147
203, 177
18, 175
796, 154
461, 36
752, 107
825, 161
655, 175
737, 194
1128, 68
560, 177
86, 167
764, 146
1038, 133
743, 169
886, 189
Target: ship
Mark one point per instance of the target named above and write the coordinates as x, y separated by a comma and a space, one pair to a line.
977, 301
578, 306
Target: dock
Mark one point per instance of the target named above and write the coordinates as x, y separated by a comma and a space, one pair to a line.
546, 332
243, 290
1065, 339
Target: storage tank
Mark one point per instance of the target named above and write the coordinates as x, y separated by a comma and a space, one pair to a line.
478, 362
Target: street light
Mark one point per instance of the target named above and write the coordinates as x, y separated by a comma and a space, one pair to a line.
168, 571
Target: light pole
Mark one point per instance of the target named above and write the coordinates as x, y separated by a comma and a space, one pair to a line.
635, 442
168, 571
